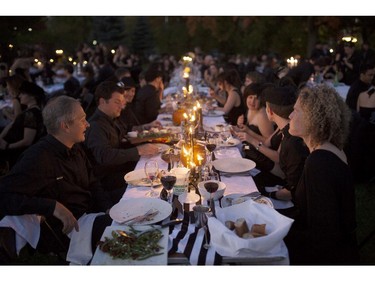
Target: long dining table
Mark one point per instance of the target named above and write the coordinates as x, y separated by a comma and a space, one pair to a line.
185, 240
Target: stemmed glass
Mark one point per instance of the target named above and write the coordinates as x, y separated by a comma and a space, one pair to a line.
151, 171
168, 180
212, 186
225, 135
211, 146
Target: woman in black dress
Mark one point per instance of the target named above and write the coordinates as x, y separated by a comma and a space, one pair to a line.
27, 127
324, 230
233, 104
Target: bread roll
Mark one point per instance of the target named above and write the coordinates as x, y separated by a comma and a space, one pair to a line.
247, 235
241, 227
229, 224
258, 230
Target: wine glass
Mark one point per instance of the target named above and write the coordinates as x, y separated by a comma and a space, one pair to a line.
211, 187
168, 180
151, 171
225, 135
211, 146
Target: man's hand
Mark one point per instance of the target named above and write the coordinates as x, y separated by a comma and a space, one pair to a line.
66, 217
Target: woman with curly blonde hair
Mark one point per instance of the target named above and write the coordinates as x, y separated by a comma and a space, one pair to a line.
324, 230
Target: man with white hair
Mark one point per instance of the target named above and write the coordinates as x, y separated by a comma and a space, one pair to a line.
54, 179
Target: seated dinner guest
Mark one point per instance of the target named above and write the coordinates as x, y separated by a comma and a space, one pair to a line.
27, 127
324, 230
148, 99
292, 150
255, 127
233, 104
106, 142
128, 119
54, 179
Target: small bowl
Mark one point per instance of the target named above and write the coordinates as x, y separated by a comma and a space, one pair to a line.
216, 195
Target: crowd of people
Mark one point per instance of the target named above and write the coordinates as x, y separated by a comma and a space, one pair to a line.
67, 154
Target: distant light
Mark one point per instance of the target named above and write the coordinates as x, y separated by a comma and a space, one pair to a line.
39, 63
94, 42
15, 28
85, 62
331, 50
51, 60
30, 29
113, 51
74, 63
70, 59
36, 60
349, 39
10, 46
59, 52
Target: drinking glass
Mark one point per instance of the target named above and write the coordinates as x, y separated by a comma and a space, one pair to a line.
225, 135
151, 171
168, 180
211, 143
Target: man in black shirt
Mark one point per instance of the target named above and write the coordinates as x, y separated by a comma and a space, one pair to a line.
148, 99
292, 150
54, 179
106, 142
362, 84
128, 119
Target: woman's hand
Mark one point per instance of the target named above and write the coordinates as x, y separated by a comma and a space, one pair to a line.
240, 122
243, 136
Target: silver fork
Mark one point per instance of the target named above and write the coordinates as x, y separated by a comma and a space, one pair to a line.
140, 217
253, 195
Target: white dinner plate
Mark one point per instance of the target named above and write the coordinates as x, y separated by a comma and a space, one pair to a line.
139, 178
233, 165
235, 198
101, 258
213, 113
128, 209
230, 142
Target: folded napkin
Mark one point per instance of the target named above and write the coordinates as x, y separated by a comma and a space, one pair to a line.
226, 241
80, 252
27, 228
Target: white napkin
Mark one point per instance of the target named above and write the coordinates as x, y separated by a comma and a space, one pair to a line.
27, 228
279, 204
227, 243
80, 252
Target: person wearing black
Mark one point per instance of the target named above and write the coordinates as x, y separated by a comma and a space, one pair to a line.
54, 179
303, 71
362, 84
233, 104
106, 142
148, 99
349, 63
323, 232
72, 85
292, 150
128, 119
27, 128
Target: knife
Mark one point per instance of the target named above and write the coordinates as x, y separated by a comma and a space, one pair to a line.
171, 222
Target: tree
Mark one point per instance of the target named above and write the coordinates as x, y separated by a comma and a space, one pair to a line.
110, 30
142, 38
